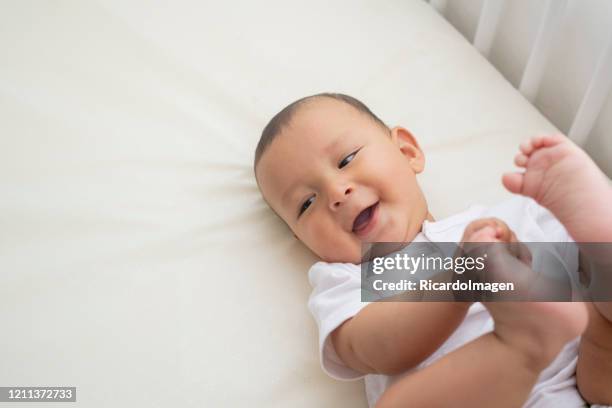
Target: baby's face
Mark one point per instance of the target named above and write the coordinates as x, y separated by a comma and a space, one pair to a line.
339, 179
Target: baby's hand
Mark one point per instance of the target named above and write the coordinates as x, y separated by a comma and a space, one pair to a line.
507, 259
488, 230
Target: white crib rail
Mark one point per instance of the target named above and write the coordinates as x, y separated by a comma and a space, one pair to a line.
551, 22
487, 25
536, 64
594, 98
439, 5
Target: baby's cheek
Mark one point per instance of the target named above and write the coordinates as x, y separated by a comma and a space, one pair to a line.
329, 246
402, 186
387, 172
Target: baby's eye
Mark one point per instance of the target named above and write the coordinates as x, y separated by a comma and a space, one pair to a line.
347, 159
306, 204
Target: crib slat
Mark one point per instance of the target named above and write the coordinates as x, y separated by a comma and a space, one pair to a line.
487, 25
439, 5
594, 97
549, 25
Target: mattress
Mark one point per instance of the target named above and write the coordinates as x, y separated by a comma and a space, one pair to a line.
138, 261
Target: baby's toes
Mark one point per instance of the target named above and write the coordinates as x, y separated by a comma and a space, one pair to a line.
551, 140
513, 182
526, 147
521, 160
555, 139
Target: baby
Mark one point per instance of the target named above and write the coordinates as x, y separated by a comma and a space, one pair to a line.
339, 177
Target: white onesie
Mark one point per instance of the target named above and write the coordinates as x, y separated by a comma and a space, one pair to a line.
336, 297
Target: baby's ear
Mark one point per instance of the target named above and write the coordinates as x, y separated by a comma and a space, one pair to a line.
409, 147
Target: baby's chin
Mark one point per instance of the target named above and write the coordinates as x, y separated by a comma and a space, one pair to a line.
349, 254
352, 258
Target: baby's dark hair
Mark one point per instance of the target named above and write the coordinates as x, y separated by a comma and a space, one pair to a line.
282, 118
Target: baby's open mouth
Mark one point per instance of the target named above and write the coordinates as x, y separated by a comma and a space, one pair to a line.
363, 218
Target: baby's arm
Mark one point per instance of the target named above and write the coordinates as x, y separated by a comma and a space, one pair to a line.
562, 177
391, 337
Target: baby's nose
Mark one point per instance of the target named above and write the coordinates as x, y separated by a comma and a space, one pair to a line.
338, 199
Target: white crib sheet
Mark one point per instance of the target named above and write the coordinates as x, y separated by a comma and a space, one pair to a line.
137, 259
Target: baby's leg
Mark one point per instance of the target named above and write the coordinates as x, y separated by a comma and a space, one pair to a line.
562, 177
499, 368
594, 371
490, 371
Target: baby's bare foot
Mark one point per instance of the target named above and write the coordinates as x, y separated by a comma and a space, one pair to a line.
562, 177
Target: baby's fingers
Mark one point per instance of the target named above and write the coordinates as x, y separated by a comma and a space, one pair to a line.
503, 232
524, 254
484, 227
